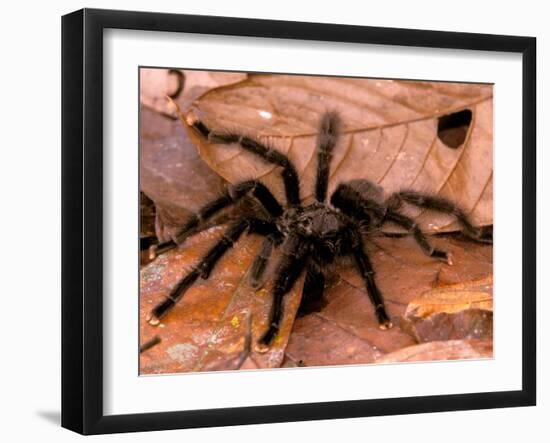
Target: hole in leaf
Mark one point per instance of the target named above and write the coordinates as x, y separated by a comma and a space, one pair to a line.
452, 128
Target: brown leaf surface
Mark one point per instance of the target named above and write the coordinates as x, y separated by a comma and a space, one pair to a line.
459, 311
219, 320
466, 324
390, 136
442, 350
345, 331
453, 298
171, 172
147, 216
217, 324
182, 85
147, 234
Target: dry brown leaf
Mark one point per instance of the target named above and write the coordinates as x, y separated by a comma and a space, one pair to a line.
390, 136
468, 295
459, 311
147, 216
209, 328
317, 342
217, 323
171, 172
219, 320
442, 350
147, 235
182, 85
199, 82
345, 331
466, 324
156, 84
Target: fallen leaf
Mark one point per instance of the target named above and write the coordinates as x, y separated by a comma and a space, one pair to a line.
466, 324
182, 85
156, 84
442, 350
218, 321
215, 326
390, 136
473, 294
347, 321
459, 311
147, 235
172, 174
210, 327
199, 82
147, 216
317, 342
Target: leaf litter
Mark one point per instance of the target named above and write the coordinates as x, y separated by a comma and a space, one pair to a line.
440, 311
390, 136
219, 320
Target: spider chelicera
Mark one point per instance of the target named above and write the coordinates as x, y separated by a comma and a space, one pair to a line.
311, 237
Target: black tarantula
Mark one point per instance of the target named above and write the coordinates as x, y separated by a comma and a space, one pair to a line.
313, 236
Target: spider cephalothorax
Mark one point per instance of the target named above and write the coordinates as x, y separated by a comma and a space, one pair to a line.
311, 237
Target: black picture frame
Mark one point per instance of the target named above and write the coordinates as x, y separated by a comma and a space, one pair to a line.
82, 220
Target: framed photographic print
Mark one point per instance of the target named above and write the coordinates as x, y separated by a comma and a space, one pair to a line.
278, 221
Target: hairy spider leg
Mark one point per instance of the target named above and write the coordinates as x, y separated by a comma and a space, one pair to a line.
410, 225
366, 270
260, 262
326, 141
266, 153
231, 196
203, 269
355, 206
293, 261
442, 205
314, 286
350, 202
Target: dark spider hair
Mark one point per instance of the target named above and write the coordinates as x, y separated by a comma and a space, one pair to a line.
311, 237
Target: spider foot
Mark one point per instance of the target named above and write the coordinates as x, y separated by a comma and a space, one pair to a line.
261, 348
384, 321
443, 256
152, 319
264, 343
160, 248
385, 325
153, 252
160, 311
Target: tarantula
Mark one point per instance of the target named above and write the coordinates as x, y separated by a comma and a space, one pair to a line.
312, 236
